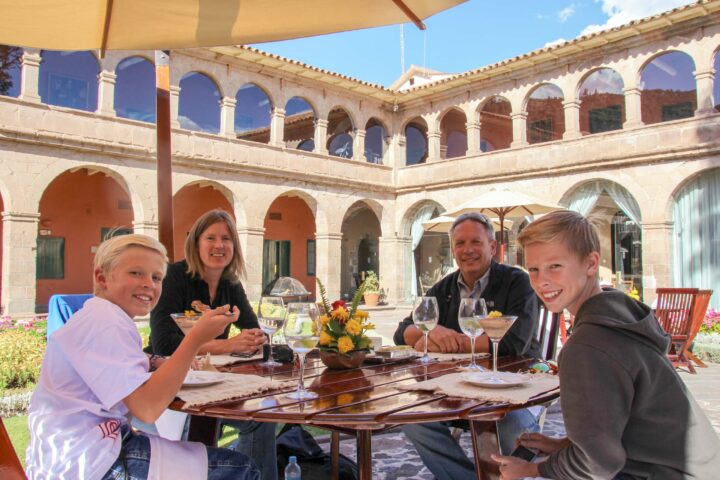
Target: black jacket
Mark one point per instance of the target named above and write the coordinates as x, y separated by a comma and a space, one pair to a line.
178, 292
508, 291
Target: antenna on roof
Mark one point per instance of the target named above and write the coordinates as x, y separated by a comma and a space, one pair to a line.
402, 49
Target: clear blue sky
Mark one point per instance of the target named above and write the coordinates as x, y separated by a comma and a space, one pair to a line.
472, 35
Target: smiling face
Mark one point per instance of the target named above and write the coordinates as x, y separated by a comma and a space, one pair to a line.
215, 247
473, 250
561, 278
134, 282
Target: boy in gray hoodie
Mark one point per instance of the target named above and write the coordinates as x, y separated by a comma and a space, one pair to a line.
627, 413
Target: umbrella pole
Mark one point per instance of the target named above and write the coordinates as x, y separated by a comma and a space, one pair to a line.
502, 238
164, 160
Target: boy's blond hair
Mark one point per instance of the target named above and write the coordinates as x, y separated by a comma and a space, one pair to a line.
110, 250
576, 232
236, 268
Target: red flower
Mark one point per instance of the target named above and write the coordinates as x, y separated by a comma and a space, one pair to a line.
338, 303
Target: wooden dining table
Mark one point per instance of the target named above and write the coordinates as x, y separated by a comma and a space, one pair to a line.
364, 401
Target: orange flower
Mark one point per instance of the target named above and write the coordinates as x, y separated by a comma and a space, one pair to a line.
340, 314
325, 338
345, 344
353, 327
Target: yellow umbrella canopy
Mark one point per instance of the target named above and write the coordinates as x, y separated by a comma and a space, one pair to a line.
173, 24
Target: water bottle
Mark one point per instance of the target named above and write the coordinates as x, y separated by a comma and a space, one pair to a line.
292, 471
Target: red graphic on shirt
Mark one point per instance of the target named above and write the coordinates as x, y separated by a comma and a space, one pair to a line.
110, 429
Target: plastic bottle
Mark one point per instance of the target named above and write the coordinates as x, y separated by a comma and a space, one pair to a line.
292, 471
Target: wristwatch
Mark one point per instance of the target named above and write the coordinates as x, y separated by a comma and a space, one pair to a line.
153, 361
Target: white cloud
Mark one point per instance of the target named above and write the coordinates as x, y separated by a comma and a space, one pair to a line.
554, 42
620, 12
566, 12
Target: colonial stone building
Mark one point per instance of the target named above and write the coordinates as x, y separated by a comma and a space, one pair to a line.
330, 176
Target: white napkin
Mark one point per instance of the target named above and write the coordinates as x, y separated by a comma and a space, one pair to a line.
169, 459
225, 360
234, 385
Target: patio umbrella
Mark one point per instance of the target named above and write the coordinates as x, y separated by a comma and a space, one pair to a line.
172, 24
443, 223
505, 203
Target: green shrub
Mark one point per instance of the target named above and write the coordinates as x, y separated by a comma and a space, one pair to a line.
21, 353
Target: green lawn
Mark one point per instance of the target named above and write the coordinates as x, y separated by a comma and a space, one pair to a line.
19, 435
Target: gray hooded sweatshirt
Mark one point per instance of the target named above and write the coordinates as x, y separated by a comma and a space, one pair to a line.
626, 410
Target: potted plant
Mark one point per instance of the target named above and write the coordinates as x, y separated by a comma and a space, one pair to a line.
343, 341
371, 293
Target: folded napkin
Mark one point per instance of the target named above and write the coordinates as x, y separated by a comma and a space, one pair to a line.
446, 357
232, 387
453, 386
225, 360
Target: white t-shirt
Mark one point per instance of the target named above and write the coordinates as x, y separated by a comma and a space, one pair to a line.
76, 412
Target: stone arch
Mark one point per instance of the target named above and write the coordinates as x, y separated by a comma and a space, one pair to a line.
668, 87
545, 113
76, 84
135, 91
12, 71
340, 132
299, 126
415, 132
376, 133
200, 112
361, 231
602, 100
253, 113
453, 133
496, 132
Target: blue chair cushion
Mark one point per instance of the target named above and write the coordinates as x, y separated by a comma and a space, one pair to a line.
61, 308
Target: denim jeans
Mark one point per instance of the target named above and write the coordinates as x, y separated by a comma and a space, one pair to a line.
134, 461
444, 457
257, 441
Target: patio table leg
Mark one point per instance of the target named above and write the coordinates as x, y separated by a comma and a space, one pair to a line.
485, 442
364, 454
204, 430
335, 454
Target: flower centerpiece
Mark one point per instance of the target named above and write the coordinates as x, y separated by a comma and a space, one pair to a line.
343, 343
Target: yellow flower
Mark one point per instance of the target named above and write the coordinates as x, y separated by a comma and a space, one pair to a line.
340, 314
494, 314
361, 314
324, 319
345, 344
353, 327
370, 326
325, 338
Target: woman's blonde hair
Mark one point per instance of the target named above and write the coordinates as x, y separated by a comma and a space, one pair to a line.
236, 268
572, 229
109, 251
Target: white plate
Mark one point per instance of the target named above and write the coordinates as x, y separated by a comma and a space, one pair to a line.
491, 380
199, 378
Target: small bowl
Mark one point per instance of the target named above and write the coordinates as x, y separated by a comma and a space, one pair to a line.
185, 322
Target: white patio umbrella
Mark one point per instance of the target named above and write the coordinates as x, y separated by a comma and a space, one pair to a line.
173, 24
505, 203
443, 223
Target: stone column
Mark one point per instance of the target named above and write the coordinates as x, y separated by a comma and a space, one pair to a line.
251, 242
434, 152
277, 127
106, 94
633, 108
227, 117
705, 102
30, 80
19, 260
146, 227
174, 106
393, 265
321, 136
359, 145
657, 257
473, 138
328, 248
519, 123
571, 108
396, 154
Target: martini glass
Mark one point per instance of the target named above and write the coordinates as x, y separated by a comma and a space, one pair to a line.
271, 317
470, 312
496, 328
302, 332
425, 317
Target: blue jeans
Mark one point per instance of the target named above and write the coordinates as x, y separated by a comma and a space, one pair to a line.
444, 457
134, 461
257, 441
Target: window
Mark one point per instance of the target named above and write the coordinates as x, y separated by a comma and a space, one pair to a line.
605, 119
311, 257
50, 258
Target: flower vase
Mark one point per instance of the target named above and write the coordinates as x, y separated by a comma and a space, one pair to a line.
342, 361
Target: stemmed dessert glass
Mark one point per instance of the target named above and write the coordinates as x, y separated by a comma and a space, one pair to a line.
302, 332
271, 317
470, 312
425, 317
496, 328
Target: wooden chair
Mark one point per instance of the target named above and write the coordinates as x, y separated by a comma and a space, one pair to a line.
10, 466
702, 300
674, 311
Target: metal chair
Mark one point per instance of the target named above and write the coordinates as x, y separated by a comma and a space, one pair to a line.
674, 311
10, 466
